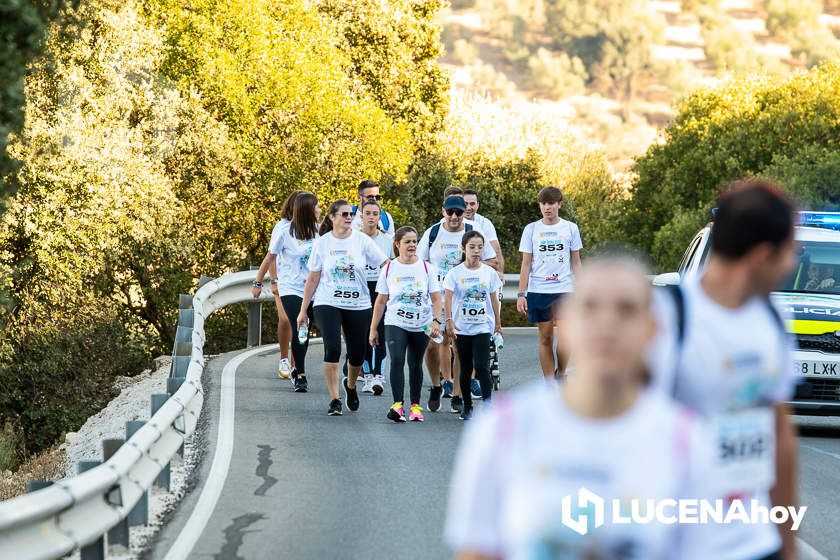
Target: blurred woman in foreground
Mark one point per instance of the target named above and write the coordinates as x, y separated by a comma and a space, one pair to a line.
598, 432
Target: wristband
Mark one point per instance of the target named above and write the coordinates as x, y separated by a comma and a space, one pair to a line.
521, 294
274, 281
256, 284
436, 320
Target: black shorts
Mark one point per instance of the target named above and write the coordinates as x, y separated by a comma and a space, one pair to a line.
542, 307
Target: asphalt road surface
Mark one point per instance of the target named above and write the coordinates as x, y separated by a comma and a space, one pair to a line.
304, 485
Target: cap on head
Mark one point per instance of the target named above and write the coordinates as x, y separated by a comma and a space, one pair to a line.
454, 202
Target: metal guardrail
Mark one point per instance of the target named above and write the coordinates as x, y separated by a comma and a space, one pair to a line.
105, 498
77, 512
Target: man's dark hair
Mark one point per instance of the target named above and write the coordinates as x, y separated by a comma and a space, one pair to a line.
367, 184
470, 191
751, 212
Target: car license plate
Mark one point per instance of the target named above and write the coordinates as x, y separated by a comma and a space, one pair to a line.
817, 368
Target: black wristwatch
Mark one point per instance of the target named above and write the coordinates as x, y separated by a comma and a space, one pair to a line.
256, 284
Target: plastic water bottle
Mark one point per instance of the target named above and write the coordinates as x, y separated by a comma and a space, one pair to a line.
428, 330
498, 341
303, 333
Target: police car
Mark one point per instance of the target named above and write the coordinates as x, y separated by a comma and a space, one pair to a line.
810, 300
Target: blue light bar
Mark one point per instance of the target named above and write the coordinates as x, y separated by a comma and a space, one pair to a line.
829, 220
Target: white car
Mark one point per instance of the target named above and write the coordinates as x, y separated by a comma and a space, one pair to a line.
810, 300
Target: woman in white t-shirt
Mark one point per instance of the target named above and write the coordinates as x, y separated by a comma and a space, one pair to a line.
269, 265
371, 212
549, 470
472, 312
293, 245
408, 287
338, 288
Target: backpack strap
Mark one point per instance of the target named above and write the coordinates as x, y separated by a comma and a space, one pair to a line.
468, 227
775, 314
387, 269
679, 309
433, 233
386, 221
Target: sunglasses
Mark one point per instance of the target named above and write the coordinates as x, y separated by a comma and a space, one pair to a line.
374, 197
455, 212
345, 214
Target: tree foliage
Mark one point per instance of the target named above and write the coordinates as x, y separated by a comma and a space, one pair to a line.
788, 130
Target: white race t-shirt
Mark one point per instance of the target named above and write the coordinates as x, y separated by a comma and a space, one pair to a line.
551, 247
292, 261
732, 366
275, 233
385, 242
341, 263
483, 226
472, 307
407, 287
517, 461
357, 221
445, 253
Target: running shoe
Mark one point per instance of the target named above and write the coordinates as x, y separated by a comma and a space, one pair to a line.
416, 414
367, 386
456, 405
351, 398
335, 408
284, 370
294, 375
466, 414
300, 383
396, 412
448, 387
434, 398
475, 389
378, 385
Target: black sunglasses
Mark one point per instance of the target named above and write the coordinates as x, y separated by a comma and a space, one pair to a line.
345, 214
455, 212
374, 197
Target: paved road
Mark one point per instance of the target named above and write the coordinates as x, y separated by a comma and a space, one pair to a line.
305, 485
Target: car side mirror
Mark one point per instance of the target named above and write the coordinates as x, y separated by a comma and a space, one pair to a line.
667, 279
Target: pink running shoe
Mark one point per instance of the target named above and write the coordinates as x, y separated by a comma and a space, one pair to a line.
416, 414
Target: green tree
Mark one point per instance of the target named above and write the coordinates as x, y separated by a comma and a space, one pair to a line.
787, 129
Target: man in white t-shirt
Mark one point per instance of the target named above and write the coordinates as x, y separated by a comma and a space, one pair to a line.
723, 352
369, 190
550, 250
441, 246
480, 223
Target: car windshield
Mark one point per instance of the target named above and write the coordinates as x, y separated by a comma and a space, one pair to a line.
818, 270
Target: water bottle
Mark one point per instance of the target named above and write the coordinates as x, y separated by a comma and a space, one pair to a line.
428, 330
303, 333
498, 341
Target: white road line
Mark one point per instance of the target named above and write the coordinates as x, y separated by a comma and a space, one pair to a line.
818, 450
808, 552
212, 489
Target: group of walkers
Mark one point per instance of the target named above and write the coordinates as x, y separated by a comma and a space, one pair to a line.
393, 292
676, 401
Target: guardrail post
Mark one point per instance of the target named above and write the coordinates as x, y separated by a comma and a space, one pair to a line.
139, 514
254, 321
173, 384
186, 318
163, 479
118, 534
35, 485
180, 365
182, 348
185, 301
96, 549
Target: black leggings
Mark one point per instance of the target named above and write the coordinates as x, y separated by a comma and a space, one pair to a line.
474, 353
401, 342
356, 325
375, 361
291, 305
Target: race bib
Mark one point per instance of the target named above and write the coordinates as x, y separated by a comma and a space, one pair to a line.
552, 249
474, 310
745, 450
346, 291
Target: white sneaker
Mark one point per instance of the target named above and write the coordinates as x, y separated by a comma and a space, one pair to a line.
284, 370
378, 385
367, 386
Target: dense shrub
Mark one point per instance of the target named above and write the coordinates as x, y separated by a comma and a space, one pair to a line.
557, 74
750, 126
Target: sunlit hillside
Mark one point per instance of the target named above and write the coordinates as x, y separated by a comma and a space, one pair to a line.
610, 71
